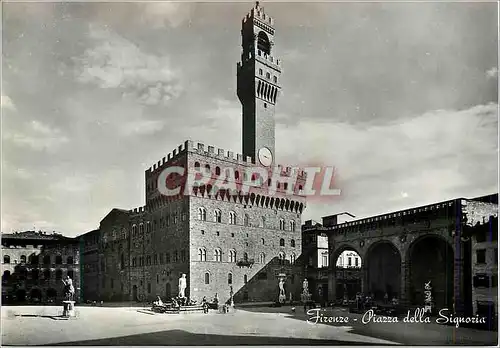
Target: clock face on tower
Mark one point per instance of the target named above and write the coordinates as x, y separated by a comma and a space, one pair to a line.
265, 157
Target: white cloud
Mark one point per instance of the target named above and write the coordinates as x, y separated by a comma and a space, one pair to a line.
438, 155
7, 103
37, 136
141, 127
117, 63
74, 183
492, 73
162, 14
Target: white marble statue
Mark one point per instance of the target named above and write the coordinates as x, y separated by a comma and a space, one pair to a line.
182, 285
69, 290
282, 287
282, 295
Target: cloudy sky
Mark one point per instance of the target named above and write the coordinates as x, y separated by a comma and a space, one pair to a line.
401, 97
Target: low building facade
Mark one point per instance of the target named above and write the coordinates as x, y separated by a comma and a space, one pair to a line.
34, 264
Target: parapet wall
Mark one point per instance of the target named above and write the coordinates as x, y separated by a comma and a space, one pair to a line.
140, 210
213, 152
269, 60
258, 13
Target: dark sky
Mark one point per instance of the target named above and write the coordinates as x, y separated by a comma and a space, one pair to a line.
400, 97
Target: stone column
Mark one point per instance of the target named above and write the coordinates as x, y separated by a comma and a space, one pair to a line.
364, 278
332, 289
458, 272
404, 296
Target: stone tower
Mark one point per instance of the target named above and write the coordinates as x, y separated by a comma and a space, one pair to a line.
258, 86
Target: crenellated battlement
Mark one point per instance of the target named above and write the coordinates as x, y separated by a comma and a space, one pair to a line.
268, 59
257, 13
140, 210
216, 153
181, 149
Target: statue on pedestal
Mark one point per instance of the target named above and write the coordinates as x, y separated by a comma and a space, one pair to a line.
182, 285
68, 303
305, 296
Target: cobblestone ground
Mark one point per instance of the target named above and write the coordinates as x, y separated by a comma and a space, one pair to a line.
134, 326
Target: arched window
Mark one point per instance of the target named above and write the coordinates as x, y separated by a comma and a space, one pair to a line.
207, 278
134, 230
281, 257
202, 254
202, 214
282, 242
282, 224
292, 243
218, 215
23, 258
247, 220
70, 274
229, 278
217, 170
141, 228
232, 218
292, 226
197, 165
263, 43
6, 276
262, 258
263, 221
134, 261
263, 241
207, 167
69, 261
58, 274
236, 175
218, 255
232, 255
245, 257
292, 259
245, 279
34, 259
6, 259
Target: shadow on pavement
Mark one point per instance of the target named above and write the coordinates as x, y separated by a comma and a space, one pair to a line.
53, 317
180, 337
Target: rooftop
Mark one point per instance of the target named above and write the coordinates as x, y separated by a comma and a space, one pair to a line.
41, 235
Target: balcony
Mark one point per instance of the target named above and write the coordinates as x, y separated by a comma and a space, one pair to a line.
245, 263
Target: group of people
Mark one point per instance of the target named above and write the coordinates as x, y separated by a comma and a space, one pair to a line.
367, 301
177, 302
